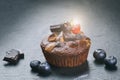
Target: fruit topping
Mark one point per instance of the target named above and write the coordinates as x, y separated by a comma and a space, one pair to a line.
76, 29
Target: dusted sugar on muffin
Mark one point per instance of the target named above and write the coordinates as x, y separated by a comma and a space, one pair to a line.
67, 46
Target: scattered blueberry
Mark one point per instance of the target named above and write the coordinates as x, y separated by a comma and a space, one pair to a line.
34, 64
44, 68
99, 55
111, 61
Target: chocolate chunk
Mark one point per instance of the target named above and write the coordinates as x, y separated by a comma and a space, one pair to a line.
56, 28
21, 55
69, 37
72, 37
60, 44
67, 28
13, 56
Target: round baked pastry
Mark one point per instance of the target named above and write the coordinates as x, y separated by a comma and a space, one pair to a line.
64, 48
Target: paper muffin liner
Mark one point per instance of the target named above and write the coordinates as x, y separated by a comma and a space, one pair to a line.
66, 60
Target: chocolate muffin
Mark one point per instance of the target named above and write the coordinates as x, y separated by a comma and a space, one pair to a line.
64, 48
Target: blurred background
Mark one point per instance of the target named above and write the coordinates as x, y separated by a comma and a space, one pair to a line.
23, 24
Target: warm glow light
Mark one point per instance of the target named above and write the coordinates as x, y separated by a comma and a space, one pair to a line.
75, 26
74, 22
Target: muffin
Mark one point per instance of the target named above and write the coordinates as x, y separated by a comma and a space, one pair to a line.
67, 46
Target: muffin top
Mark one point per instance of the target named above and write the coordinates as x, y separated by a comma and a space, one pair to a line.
66, 39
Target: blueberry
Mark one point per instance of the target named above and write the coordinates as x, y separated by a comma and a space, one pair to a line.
44, 68
34, 64
99, 55
111, 61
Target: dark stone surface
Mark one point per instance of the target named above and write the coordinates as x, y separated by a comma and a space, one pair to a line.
24, 23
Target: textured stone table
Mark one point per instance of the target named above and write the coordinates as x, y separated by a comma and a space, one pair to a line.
23, 23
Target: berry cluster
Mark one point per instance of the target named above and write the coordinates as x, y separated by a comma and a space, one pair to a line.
42, 68
100, 56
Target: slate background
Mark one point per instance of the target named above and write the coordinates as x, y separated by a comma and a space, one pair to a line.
23, 24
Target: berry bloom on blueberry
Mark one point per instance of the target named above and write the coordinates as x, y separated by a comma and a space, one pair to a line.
99, 55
